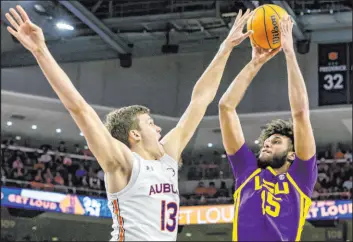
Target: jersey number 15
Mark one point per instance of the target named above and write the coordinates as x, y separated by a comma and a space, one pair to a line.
169, 212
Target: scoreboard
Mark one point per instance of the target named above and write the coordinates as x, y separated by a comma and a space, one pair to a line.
335, 73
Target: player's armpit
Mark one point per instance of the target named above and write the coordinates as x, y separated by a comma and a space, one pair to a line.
176, 140
232, 133
109, 152
304, 141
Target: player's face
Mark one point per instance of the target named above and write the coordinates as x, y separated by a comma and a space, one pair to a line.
274, 152
150, 135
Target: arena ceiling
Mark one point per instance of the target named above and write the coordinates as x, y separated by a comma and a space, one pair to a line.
109, 29
330, 125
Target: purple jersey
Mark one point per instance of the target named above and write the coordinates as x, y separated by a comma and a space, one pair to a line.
269, 206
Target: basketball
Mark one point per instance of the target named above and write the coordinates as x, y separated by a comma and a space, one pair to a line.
265, 25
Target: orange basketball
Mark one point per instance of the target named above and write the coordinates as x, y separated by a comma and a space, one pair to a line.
265, 24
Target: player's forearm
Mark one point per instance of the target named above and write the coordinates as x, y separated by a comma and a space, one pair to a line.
235, 92
59, 81
206, 87
298, 96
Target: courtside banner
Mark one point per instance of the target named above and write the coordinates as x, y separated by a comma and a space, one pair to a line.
97, 207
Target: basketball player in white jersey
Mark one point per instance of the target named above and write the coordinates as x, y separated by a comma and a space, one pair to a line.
141, 169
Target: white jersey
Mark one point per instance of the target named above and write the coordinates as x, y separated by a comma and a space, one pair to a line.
148, 207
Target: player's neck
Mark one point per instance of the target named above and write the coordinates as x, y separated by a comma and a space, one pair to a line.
282, 169
142, 152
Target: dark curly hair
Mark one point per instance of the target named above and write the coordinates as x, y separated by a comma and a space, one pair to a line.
278, 126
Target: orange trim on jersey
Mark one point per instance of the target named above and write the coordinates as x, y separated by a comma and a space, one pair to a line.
120, 220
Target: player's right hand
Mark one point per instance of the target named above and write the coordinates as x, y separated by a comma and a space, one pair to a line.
261, 56
236, 35
27, 33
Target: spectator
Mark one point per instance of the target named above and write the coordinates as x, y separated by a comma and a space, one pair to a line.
77, 150
348, 184
339, 154
100, 174
17, 174
211, 190
200, 189
62, 147
94, 182
17, 163
39, 176
48, 177
69, 182
80, 172
58, 180
45, 157
223, 190
67, 161
348, 155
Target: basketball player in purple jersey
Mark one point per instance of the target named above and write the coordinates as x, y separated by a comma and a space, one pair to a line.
273, 190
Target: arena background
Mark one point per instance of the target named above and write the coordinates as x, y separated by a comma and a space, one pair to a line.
118, 54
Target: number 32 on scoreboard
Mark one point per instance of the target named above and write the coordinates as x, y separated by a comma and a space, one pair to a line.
333, 82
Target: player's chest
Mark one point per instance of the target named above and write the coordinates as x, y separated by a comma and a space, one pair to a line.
156, 180
269, 189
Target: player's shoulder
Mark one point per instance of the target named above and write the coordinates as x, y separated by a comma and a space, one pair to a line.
244, 152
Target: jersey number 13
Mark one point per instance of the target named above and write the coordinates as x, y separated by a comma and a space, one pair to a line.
169, 212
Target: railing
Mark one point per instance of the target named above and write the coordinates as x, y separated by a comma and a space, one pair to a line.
26, 149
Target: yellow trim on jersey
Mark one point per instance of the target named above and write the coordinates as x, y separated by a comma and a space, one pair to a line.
271, 170
237, 203
305, 203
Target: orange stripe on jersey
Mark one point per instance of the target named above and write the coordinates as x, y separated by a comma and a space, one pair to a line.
120, 220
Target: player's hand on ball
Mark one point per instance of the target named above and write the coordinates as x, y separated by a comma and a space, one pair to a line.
236, 35
286, 27
26, 32
260, 55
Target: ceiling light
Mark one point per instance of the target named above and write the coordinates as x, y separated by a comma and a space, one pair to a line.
64, 26
39, 8
188, 234
18, 137
9, 123
34, 126
58, 130
210, 145
81, 133
223, 156
256, 141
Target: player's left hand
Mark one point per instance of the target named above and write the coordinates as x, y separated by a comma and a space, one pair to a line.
286, 27
236, 35
260, 55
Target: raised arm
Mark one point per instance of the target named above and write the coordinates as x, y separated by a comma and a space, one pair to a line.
110, 153
232, 134
204, 90
304, 142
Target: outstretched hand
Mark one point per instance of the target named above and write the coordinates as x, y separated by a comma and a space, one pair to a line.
286, 27
236, 35
27, 33
261, 56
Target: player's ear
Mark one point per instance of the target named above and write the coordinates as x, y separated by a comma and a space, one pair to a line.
291, 156
135, 135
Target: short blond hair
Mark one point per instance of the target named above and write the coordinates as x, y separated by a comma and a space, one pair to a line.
120, 121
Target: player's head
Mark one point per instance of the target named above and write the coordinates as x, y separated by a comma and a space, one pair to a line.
134, 126
276, 144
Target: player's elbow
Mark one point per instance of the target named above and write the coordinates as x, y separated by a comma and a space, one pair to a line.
301, 114
223, 105
78, 107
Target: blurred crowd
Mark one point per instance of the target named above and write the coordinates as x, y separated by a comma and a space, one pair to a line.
52, 168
